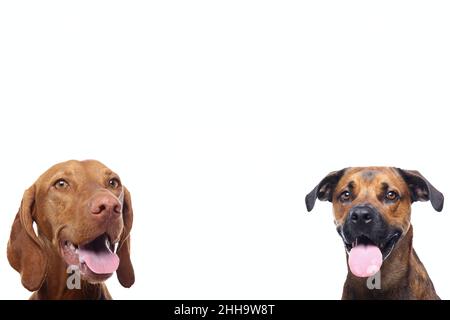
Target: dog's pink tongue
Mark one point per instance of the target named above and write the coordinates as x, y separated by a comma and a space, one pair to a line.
99, 258
365, 260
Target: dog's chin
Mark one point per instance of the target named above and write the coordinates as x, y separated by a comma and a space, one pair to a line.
98, 254
386, 245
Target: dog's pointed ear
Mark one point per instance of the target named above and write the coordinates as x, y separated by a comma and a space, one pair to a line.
125, 272
421, 189
324, 190
25, 250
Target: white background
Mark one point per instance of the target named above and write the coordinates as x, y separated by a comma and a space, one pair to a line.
219, 118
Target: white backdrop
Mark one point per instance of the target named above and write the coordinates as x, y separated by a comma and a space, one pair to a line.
219, 118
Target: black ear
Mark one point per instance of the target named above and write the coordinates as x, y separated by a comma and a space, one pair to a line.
324, 190
421, 189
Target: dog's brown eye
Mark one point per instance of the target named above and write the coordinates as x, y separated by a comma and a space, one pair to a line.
345, 196
114, 183
391, 196
61, 184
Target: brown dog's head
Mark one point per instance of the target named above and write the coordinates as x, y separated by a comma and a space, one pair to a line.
373, 204
83, 216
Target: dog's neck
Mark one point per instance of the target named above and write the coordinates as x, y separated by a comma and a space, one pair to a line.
55, 285
403, 276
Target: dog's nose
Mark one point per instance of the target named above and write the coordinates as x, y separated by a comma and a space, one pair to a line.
105, 205
362, 215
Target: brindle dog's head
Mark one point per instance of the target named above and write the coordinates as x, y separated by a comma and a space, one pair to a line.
373, 204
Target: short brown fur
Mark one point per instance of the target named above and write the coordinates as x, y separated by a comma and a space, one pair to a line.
58, 215
403, 276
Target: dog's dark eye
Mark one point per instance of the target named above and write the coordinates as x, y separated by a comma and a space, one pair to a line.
61, 184
345, 196
392, 196
114, 183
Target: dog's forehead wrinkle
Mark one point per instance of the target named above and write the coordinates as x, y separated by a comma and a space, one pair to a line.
93, 171
368, 175
64, 173
71, 167
98, 170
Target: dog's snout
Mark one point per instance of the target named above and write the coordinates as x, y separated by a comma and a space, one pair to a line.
364, 220
362, 215
105, 205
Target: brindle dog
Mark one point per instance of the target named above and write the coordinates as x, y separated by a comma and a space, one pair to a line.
373, 205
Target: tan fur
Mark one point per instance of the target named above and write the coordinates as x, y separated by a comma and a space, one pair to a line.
64, 214
403, 276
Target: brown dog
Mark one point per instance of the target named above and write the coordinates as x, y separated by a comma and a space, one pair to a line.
372, 211
82, 214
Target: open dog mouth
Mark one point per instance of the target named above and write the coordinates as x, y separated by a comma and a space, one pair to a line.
385, 247
95, 259
365, 256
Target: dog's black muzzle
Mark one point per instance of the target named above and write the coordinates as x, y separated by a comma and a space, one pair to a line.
365, 225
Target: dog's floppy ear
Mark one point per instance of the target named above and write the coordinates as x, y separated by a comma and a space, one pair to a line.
125, 272
324, 190
421, 189
25, 250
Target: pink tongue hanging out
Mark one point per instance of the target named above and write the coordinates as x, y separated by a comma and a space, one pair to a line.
98, 256
365, 260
